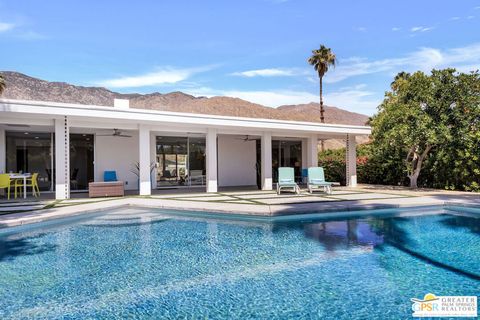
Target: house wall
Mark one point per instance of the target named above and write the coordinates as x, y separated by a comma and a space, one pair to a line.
119, 154
236, 162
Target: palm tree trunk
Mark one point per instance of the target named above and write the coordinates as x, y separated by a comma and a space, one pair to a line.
322, 111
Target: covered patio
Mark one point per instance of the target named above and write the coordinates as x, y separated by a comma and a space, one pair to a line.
152, 152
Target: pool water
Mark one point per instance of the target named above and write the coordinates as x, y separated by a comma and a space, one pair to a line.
148, 264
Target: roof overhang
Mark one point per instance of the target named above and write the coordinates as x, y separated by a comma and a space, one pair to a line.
92, 115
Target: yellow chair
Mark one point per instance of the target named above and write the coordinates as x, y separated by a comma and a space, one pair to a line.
31, 182
5, 182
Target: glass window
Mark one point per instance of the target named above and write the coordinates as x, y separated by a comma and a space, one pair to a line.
180, 161
171, 160
81, 161
31, 152
196, 161
286, 153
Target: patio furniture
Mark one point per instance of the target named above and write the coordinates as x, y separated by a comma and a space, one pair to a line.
5, 183
304, 176
195, 177
106, 189
110, 176
20, 176
286, 179
316, 179
27, 181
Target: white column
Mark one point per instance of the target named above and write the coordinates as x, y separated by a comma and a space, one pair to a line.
3, 152
351, 161
153, 158
266, 152
144, 160
211, 158
312, 151
62, 159
304, 154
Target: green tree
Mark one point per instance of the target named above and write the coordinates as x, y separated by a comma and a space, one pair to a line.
412, 120
456, 165
3, 85
321, 60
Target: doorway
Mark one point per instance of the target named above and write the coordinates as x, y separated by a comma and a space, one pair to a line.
31, 152
81, 161
285, 153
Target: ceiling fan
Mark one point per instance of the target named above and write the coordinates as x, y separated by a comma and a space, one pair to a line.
247, 138
116, 133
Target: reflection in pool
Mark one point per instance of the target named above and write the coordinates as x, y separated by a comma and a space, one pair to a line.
138, 263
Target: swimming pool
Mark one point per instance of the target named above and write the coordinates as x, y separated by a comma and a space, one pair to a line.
144, 263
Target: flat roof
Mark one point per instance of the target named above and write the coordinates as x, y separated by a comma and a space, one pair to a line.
103, 113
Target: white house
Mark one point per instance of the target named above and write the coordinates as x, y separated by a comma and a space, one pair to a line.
70, 145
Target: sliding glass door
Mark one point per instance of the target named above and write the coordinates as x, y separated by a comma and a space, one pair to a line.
31, 152
286, 153
180, 161
81, 161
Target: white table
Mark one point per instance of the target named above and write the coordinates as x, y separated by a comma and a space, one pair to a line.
23, 176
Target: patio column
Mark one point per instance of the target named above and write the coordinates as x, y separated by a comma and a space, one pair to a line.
266, 159
211, 159
312, 151
351, 161
62, 159
144, 160
153, 158
3, 152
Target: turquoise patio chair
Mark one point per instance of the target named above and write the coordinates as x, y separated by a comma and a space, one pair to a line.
316, 180
286, 179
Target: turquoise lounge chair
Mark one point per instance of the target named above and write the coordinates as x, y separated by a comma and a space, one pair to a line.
286, 179
316, 179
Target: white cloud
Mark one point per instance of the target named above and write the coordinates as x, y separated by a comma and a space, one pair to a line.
396, 29
470, 17
361, 29
161, 76
4, 26
423, 59
31, 35
272, 72
356, 99
421, 29
476, 8
454, 18
273, 98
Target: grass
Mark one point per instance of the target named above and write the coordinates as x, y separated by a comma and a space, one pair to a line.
241, 198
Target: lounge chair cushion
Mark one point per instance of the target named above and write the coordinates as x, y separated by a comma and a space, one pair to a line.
319, 181
110, 176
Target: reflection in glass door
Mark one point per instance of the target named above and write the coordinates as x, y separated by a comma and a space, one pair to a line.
180, 161
31, 152
172, 161
286, 153
81, 161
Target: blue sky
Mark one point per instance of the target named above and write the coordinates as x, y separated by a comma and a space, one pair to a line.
251, 49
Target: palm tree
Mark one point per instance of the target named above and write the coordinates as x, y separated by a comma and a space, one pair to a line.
321, 60
2, 84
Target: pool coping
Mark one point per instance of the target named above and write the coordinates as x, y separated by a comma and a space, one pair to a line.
331, 209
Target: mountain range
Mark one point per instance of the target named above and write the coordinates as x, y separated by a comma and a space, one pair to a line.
24, 87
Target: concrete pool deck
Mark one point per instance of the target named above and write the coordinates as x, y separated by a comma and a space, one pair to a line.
243, 202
